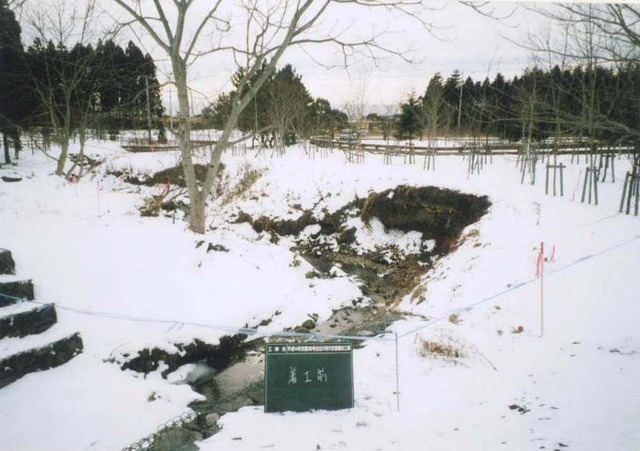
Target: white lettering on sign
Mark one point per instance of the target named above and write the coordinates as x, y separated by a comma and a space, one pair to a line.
311, 348
321, 376
293, 379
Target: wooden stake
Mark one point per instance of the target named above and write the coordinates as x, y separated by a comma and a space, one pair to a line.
397, 375
541, 289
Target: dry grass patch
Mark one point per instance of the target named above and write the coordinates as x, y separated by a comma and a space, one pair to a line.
446, 348
249, 177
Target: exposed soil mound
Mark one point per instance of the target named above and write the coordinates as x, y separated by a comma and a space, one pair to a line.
388, 274
172, 176
439, 214
175, 175
329, 223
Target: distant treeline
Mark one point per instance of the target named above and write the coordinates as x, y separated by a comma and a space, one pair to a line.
592, 103
281, 113
64, 90
106, 82
61, 88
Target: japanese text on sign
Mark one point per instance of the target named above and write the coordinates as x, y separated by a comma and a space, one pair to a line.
308, 376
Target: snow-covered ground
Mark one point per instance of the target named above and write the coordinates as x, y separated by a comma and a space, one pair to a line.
127, 282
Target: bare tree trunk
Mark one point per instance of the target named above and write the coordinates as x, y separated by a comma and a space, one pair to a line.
5, 141
268, 32
65, 136
64, 152
79, 161
197, 216
197, 196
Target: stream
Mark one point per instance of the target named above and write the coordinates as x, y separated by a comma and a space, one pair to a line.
386, 274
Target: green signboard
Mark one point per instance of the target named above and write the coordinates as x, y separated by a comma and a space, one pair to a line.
308, 376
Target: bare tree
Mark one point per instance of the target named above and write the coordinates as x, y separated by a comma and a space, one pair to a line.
616, 24
288, 106
267, 28
15, 4
356, 106
62, 83
592, 37
389, 112
435, 109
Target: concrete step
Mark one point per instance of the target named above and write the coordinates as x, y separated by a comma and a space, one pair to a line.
13, 288
7, 265
26, 318
31, 360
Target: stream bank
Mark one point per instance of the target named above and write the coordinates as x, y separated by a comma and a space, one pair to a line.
420, 224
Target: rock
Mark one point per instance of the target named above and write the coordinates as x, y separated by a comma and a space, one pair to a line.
11, 179
28, 323
309, 324
212, 419
176, 439
55, 354
233, 404
21, 289
7, 265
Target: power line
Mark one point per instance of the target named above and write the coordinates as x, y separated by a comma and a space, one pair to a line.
233, 329
519, 285
311, 335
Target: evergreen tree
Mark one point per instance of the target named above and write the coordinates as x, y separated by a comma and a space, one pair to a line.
324, 120
436, 112
283, 110
115, 87
410, 122
452, 95
288, 105
11, 79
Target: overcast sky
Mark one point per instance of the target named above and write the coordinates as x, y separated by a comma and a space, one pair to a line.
465, 40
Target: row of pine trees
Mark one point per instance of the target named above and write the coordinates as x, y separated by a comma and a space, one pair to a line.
600, 103
62, 90
282, 112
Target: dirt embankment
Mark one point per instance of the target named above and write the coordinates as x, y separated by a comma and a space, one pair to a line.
387, 273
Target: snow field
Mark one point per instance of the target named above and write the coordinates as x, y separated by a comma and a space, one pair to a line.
88, 250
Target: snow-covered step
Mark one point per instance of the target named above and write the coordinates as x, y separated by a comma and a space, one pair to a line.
48, 355
7, 265
13, 288
25, 319
15, 345
18, 307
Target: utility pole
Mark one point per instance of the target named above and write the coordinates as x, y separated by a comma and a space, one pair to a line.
146, 82
171, 108
460, 102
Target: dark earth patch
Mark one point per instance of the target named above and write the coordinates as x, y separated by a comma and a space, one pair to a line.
387, 275
439, 214
171, 176
218, 356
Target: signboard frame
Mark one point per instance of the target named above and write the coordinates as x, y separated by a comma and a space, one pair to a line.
301, 377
